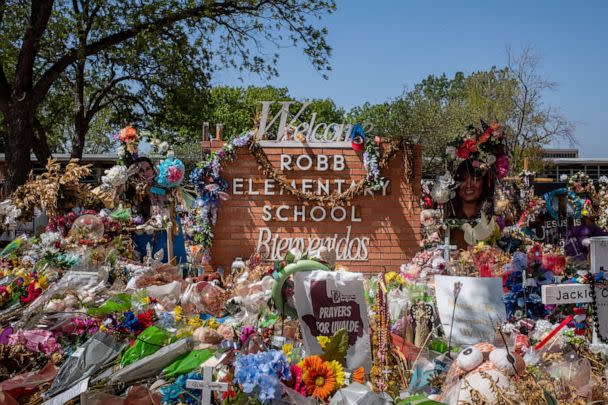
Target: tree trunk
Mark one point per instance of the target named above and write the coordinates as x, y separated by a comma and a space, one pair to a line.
81, 124
19, 131
40, 145
81, 127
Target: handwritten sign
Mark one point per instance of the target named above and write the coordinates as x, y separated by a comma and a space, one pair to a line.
206, 385
478, 310
328, 302
559, 294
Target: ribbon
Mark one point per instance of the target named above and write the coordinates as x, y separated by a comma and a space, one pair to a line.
553, 333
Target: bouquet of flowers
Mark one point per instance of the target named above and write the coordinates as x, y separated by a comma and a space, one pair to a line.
483, 146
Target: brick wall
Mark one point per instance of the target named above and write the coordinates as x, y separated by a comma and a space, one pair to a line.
390, 222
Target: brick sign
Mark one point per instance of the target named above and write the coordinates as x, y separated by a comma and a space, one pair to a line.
376, 230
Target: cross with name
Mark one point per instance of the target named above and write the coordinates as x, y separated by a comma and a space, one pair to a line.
207, 385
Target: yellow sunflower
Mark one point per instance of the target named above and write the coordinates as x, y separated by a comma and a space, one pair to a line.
338, 370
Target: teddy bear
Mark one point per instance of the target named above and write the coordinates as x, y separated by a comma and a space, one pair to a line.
477, 368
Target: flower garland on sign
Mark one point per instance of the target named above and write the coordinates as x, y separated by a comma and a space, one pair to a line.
577, 203
211, 188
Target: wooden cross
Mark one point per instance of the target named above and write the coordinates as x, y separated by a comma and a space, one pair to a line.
207, 385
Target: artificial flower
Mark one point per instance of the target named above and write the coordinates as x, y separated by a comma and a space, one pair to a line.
246, 333
178, 313
323, 340
296, 382
466, 148
262, 373
318, 376
358, 375
128, 134
170, 172
287, 349
146, 318
338, 370
195, 321
502, 166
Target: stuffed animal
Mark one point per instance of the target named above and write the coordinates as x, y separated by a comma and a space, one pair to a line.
477, 368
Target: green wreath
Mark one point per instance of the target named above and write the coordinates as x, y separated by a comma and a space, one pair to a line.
282, 275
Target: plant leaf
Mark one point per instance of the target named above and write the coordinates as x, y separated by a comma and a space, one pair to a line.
337, 347
549, 398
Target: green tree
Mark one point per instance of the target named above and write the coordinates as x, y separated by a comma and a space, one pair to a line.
44, 39
439, 108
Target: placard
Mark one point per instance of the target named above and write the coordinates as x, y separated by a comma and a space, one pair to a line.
329, 301
599, 254
560, 294
479, 308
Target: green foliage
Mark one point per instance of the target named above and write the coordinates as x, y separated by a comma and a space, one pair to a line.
439, 108
336, 347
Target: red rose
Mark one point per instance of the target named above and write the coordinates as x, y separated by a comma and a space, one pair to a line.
486, 135
468, 146
146, 318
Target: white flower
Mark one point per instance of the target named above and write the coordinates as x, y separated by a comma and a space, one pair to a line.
491, 159
170, 153
563, 177
163, 147
49, 238
508, 328
451, 152
116, 176
603, 180
121, 151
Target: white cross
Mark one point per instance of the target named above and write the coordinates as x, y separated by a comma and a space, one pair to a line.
207, 385
446, 247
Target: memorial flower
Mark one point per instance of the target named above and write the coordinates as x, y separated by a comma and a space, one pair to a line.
170, 173
261, 373
319, 377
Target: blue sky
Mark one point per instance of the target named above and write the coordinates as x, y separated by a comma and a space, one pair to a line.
382, 47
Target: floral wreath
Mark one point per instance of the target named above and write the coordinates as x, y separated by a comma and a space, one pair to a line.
483, 147
577, 202
534, 208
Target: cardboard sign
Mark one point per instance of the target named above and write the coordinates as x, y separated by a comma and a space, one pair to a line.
560, 294
479, 308
599, 254
329, 301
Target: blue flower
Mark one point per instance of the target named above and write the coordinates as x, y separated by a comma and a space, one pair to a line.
170, 173
262, 373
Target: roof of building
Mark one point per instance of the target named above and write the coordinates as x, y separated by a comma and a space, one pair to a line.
580, 161
64, 157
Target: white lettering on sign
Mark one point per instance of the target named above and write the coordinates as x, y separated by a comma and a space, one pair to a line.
273, 247
305, 213
566, 294
286, 128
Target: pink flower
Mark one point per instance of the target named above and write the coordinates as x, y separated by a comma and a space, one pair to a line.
174, 174
296, 380
246, 333
502, 166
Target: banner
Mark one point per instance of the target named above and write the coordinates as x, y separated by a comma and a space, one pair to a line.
329, 301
